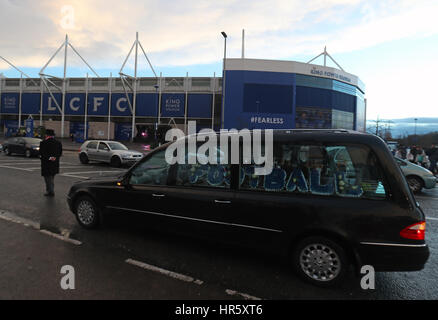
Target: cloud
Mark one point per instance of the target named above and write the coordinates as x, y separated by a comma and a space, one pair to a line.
181, 33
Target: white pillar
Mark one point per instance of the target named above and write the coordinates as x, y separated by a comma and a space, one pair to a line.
109, 104
86, 108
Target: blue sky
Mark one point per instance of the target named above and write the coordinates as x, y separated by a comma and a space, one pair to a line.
391, 45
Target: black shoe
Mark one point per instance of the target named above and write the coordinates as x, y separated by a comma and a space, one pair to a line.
49, 194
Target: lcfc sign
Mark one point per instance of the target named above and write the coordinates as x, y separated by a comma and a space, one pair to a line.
120, 105
98, 104
74, 103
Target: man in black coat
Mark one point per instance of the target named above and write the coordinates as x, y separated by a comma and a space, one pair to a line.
50, 152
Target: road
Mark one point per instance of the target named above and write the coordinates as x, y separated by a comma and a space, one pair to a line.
126, 259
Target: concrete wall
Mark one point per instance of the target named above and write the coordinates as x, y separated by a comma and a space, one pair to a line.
99, 130
56, 125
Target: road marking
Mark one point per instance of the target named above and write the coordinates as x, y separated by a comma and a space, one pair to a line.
8, 216
165, 272
11, 217
95, 171
431, 218
9, 167
64, 238
23, 161
427, 198
73, 176
76, 174
243, 295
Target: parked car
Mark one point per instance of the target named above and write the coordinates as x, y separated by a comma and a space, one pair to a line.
417, 176
334, 198
30, 147
112, 152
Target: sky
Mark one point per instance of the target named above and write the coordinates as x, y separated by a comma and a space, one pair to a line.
392, 46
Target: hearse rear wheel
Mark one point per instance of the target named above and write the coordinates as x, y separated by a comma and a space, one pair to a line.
320, 261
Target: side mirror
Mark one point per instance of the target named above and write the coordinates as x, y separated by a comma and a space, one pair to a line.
124, 181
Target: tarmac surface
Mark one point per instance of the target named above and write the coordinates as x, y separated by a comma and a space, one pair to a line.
126, 259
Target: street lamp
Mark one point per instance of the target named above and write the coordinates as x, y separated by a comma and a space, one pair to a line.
415, 134
223, 77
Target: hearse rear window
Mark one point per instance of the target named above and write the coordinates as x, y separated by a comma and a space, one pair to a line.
339, 170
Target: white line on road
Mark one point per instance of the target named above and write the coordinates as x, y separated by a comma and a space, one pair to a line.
430, 218
61, 237
8, 216
11, 217
9, 167
243, 295
165, 272
61, 167
22, 161
73, 176
427, 198
82, 172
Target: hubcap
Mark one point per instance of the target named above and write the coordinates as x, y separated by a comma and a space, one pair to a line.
320, 262
85, 212
414, 184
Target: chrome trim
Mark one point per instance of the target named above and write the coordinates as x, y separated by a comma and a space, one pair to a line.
222, 201
194, 219
394, 244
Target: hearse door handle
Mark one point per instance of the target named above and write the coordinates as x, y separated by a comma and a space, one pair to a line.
222, 201
157, 195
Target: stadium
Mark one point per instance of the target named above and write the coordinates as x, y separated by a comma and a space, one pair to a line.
252, 93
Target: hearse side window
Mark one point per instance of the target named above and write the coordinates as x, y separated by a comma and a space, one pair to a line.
343, 171
204, 175
152, 171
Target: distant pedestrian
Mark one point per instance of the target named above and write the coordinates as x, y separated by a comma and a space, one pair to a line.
403, 152
421, 158
410, 157
433, 157
50, 152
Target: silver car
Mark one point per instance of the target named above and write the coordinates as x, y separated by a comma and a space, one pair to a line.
417, 176
112, 152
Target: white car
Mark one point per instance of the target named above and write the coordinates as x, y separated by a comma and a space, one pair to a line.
417, 176
112, 152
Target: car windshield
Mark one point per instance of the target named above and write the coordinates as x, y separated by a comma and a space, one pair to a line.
32, 140
116, 146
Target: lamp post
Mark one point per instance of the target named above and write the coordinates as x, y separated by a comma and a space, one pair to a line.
223, 78
415, 134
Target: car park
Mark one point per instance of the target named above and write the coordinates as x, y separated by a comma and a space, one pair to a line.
417, 176
334, 199
28, 147
112, 152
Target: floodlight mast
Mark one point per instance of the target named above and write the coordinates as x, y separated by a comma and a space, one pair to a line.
21, 86
45, 78
135, 46
326, 54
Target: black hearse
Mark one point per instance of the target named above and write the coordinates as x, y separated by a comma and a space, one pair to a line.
333, 198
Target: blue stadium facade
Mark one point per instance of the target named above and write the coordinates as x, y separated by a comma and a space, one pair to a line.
257, 94
285, 94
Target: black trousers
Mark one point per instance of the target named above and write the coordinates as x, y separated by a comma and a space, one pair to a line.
50, 183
